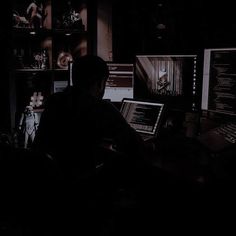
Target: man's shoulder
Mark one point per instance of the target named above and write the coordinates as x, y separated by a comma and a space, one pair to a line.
56, 99
108, 106
57, 95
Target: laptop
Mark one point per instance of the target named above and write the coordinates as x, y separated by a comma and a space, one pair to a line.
220, 138
144, 116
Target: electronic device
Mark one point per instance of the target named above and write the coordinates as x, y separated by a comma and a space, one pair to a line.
120, 82
219, 138
219, 81
219, 98
144, 116
168, 78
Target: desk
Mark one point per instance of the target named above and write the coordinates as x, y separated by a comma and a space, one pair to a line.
180, 156
187, 178
186, 158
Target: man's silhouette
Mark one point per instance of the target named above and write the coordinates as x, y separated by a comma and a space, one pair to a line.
76, 123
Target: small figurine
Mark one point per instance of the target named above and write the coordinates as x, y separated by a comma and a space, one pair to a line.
162, 82
44, 60
34, 12
19, 21
28, 125
40, 60
71, 18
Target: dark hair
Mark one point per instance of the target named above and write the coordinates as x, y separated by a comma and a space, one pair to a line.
88, 69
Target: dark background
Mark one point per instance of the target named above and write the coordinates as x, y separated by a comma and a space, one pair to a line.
5, 62
190, 26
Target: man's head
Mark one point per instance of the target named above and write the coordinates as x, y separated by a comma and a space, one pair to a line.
28, 109
90, 72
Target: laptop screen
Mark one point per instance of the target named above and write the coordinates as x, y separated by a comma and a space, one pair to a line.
143, 116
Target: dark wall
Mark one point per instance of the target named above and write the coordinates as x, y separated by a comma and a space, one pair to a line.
5, 21
190, 26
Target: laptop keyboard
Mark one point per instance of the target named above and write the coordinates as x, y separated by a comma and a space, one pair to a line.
228, 131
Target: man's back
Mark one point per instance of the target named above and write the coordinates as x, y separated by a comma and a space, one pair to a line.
75, 124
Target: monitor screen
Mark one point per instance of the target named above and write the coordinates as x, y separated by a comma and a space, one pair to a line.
143, 116
163, 77
120, 82
219, 81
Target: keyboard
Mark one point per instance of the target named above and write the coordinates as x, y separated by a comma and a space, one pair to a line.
219, 138
228, 131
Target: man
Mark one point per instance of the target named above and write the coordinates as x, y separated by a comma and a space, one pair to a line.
77, 122
90, 141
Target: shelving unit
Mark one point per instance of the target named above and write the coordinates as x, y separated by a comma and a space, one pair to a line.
46, 36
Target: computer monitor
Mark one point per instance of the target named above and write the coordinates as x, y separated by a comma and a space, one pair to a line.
168, 78
120, 82
219, 81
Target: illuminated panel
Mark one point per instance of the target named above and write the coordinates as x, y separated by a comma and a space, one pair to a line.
120, 82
